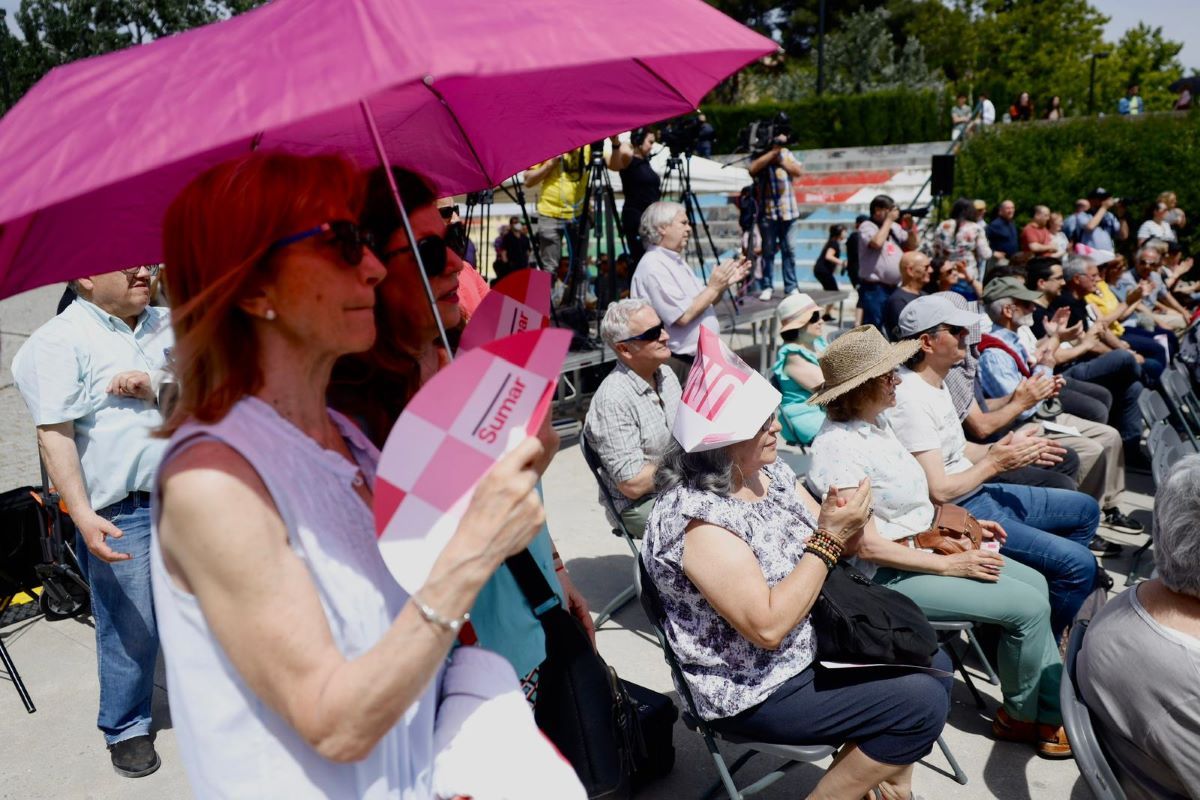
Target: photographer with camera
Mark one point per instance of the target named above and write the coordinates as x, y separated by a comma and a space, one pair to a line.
1097, 227
773, 171
563, 182
639, 183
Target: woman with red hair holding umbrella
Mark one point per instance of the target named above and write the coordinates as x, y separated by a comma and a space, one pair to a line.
298, 666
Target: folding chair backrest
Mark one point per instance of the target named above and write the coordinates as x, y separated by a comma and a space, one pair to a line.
652, 604
1162, 437
1154, 408
1089, 756
1179, 389
592, 459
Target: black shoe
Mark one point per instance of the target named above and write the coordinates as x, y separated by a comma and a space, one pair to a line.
1114, 519
1104, 548
134, 758
829, 318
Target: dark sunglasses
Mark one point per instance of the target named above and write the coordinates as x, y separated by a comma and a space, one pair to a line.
954, 330
1146, 263
350, 239
448, 211
432, 250
648, 335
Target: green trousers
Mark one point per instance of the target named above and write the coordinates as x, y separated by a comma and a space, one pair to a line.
1030, 668
635, 516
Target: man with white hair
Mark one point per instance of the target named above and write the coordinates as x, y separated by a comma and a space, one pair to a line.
664, 279
629, 421
1137, 669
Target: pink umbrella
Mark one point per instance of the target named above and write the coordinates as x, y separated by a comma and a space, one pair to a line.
464, 92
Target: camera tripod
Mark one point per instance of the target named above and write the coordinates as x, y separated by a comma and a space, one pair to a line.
681, 167
484, 200
598, 220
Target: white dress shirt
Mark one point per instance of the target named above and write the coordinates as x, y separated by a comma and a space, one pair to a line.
664, 280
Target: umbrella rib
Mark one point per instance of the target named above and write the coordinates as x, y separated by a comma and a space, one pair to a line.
661, 80
462, 131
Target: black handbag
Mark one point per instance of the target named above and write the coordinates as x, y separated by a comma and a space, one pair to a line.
582, 706
857, 621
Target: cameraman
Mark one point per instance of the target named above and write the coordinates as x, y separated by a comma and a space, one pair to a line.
563, 182
773, 172
639, 183
1097, 227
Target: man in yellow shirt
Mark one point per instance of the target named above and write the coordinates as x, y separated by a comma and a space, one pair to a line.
563, 182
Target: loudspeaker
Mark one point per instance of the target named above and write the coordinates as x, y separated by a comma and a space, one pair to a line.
942, 167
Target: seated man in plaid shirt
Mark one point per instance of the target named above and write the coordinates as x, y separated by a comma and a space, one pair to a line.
629, 421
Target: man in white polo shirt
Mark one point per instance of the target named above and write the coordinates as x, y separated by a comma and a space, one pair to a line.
90, 377
664, 279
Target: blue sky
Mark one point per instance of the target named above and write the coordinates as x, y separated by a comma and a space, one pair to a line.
1180, 18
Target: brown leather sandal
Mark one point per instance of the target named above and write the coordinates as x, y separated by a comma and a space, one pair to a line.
1052, 742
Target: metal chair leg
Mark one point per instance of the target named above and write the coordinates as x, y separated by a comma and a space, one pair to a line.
11, 668
992, 677
959, 775
966, 676
616, 604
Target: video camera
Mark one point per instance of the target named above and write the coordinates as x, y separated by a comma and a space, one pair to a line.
760, 136
682, 134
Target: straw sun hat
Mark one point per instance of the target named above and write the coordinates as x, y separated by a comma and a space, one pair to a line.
856, 357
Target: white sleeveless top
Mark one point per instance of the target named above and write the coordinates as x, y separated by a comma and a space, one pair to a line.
232, 744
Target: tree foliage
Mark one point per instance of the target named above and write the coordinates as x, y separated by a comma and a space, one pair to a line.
1002, 47
55, 32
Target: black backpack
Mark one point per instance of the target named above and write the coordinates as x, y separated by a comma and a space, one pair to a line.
857, 621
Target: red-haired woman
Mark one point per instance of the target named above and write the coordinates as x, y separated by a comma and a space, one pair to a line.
298, 667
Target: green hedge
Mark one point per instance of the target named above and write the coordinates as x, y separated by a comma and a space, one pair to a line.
860, 120
1054, 163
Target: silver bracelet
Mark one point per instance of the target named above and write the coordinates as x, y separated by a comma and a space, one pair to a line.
434, 618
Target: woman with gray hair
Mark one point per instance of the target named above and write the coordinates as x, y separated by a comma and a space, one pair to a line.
738, 552
1141, 657
665, 280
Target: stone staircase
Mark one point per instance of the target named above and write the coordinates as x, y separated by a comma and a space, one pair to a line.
836, 187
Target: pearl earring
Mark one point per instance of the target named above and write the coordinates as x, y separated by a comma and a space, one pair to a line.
270, 315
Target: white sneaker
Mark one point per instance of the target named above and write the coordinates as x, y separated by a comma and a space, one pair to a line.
794, 292
766, 294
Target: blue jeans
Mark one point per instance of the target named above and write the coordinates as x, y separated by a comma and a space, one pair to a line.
123, 609
775, 237
1049, 530
1119, 372
873, 297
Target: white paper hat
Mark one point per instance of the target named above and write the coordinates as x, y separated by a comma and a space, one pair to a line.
724, 401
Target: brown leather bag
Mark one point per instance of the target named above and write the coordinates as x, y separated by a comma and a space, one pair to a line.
954, 530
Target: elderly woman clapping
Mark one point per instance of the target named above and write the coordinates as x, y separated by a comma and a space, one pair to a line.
739, 555
664, 279
857, 442
298, 667
1137, 670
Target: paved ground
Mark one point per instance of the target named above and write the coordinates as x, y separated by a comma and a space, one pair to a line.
57, 752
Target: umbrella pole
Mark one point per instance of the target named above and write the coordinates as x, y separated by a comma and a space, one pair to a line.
373, 129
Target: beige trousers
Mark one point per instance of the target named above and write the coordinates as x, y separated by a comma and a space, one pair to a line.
1101, 457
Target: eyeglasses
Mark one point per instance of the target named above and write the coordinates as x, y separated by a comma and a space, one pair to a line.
953, 330
132, 272
892, 377
448, 212
432, 250
648, 335
1146, 263
349, 238
766, 426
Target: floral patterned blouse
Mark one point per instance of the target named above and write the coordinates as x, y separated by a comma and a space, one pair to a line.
725, 672
968, 243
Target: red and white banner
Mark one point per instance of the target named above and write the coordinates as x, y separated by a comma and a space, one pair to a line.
453, 431
518, 302
724, 400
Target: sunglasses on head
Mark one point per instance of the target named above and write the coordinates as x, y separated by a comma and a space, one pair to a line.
648, 335
432, 250
350, 239
448, 211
